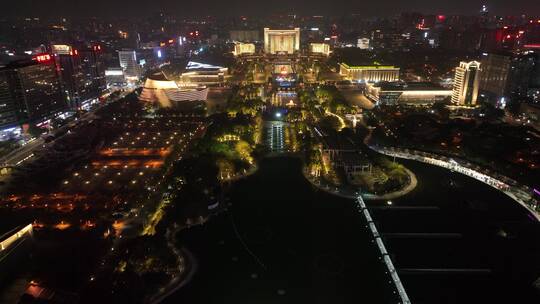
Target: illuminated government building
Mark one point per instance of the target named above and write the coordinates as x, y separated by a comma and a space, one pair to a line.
243, 49
369, 73
319, 48
281, 41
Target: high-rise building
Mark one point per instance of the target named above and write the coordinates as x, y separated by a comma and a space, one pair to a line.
524, 77
466, 83
494, 76
30, 92
128, 62
68, 62
281, 41
81, 71
9, 107
93, 70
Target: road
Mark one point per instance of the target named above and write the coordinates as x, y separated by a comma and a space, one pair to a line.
26, 152
23, 153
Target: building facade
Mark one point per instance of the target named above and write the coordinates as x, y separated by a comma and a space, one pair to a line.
415, 93
363, 43
30, 92
367, 74
166, 93
245, 35
93, 69
202, 74
524, 77
319, 48
466, 83
114, 77
128, 62
281, 41
494, 76
69, 65
243, 49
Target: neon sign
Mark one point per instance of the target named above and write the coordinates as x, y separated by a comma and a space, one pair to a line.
43, 58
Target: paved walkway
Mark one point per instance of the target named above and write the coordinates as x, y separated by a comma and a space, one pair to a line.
413, 182
511, 188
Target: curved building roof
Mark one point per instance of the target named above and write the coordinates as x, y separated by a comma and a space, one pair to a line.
159, 81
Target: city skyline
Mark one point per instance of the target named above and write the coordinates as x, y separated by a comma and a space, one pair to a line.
123, 8
159, 154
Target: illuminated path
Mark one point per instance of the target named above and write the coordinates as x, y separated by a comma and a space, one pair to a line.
275, 136
516, 193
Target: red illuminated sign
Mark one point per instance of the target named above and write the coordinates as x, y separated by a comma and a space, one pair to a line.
43, 58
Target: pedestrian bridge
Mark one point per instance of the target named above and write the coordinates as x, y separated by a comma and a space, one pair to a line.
12, 239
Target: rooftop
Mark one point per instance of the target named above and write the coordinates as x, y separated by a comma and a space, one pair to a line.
409, 86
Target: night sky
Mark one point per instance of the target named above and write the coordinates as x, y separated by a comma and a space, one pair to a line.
124, 8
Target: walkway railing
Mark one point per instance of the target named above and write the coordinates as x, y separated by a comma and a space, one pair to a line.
362, 208
518, 193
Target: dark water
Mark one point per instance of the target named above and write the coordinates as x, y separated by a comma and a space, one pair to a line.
282, 241
308, 246
495, 233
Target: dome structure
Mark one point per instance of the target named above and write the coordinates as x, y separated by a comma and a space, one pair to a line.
158, 89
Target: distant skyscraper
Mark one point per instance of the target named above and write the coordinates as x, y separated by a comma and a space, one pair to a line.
524, 77
494, 76
9, 105
128, 62
93, 70
68, 62
30, 92
466, 83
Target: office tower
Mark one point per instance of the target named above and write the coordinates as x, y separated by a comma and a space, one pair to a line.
67, 60
466, 83
128, 62
524, 77
494, 76
30, 92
